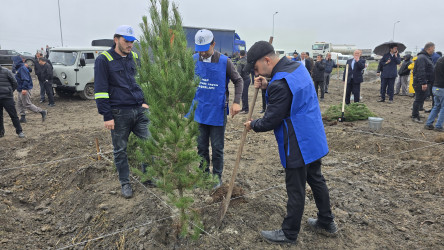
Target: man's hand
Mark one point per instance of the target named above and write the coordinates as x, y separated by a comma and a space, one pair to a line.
145, 106
248, 125
235, 109
260, 82
109, 124
388, 61
24, 92
424, 87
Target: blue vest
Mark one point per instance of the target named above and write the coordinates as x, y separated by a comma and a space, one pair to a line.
305, 116
210, 95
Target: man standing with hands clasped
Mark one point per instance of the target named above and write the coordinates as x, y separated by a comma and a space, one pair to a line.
293, 113
214, 70
120, 99
389, 72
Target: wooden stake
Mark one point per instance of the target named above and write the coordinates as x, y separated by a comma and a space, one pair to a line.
226, 202
342, 118
98, 149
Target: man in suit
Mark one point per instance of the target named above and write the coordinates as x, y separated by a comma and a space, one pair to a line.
356, 66
306, 62
389, 72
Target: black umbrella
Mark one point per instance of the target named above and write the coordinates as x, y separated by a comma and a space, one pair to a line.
384, 48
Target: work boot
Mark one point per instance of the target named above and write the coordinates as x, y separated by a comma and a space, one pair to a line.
328, 229
127, 191
44, 114
429, 127
21, 135
277, 236
22, 119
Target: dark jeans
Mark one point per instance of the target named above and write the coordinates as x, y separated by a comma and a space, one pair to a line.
126, 121
264, 103
326, 81
319, 85
42, 91
245, 94
49, 93
387, 85
295, 179
354, 88
9, 105
419, 100
216, 135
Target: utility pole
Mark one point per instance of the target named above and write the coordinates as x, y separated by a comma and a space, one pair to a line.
393, 39
272, 33
60, 23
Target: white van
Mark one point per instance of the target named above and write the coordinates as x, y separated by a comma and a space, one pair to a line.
74, 70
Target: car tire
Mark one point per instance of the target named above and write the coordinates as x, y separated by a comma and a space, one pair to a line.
29, 62
88, 92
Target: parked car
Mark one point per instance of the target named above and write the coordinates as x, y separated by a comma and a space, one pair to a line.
7, 54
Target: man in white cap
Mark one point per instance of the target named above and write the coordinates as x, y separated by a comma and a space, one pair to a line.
120, 99
215, 71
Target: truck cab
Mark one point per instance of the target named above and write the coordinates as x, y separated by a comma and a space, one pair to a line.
74, 70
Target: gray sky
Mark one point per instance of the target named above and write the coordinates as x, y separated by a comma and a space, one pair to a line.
27, 25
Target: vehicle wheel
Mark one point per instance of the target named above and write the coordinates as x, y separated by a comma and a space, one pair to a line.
64, 93
29, 62
88, 92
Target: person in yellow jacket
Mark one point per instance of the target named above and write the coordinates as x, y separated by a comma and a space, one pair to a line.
411, 90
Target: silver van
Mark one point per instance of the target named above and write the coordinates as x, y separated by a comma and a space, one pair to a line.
74, 70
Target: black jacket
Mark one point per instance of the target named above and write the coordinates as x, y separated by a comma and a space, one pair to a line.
8, 84
278, 108
389, 65
356, 72
46, 73
423, 70
241, 68
404, 70
318, 71
439, 73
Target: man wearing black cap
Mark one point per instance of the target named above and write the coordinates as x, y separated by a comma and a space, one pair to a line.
294, 114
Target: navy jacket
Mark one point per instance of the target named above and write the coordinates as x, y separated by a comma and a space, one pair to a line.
115, 85
356, 72
23, 77
390, 70
329, 65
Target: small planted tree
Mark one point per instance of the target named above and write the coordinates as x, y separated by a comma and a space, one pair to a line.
166, 75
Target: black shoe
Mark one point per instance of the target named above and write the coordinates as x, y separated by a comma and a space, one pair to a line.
330, 228
127, 191
277, 236
417, 120
51, 105
429, 127
22, 119
42, 101
439, 129
428, 111
326, 92
381, 100
2, 134
44, 114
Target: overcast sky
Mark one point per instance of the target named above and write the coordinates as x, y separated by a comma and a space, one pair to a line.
26, 25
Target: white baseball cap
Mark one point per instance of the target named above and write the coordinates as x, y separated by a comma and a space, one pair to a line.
127, 32
203, 40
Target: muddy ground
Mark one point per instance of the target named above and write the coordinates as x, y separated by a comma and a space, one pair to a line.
386, 188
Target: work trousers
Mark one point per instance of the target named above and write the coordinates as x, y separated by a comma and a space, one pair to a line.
295, 179
216, 135
9, 105
42, 91
48, 89
354, 88
419, 100
326, 81
387, 85
24, 102
319, 85
402, 85
126, 121
245, 94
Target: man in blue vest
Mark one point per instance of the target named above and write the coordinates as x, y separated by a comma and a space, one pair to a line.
215, 71
120, 99
293, 113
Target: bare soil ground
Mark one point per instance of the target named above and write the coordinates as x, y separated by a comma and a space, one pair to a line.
386, 188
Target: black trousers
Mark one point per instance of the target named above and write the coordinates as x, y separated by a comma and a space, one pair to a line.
354, 88
245, 106
419, 100
49, 93
320, 84
9, 105
295, 179
264, 103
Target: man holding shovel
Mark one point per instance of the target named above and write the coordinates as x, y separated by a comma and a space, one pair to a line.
294, 114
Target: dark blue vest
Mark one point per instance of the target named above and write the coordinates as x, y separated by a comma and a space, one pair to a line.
210, 95
305, 116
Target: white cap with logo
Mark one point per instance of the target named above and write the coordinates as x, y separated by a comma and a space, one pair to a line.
127, 32
203, 40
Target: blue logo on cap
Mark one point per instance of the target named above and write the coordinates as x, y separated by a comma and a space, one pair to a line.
129, 31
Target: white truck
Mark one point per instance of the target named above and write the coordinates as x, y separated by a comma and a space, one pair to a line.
344, 49
74, 70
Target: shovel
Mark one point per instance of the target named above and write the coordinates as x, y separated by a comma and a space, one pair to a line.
342, 118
